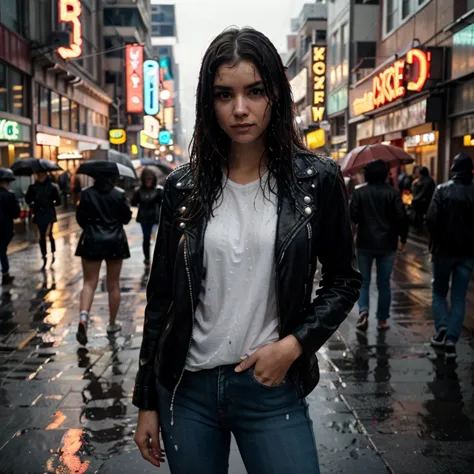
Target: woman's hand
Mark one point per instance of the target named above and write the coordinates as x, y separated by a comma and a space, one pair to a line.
273, 361
147, 437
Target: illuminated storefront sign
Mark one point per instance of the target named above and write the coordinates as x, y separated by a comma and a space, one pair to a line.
70, 12
151, 87
404, 75
316, 139
146, 141
47, 139
164, 137
134, 74
9, 130
117, 136
134, 149
420, 140
299, 85
151, 126
318, 108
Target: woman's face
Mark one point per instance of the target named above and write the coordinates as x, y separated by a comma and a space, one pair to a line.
242, 108
148, 181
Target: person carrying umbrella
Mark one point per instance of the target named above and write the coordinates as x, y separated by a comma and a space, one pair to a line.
102, 212
43, 197
148, 198
379, 214
9, 210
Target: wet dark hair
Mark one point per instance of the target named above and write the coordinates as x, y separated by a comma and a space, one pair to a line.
145, 173
376, 172
210, 146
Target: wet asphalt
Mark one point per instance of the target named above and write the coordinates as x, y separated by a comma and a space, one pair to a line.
387, 402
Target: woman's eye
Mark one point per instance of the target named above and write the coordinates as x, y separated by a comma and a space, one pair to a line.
222, 95
257, 91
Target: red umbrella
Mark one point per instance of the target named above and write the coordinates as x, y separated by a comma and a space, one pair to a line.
361, 156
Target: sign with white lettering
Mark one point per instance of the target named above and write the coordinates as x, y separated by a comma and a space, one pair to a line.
9, 130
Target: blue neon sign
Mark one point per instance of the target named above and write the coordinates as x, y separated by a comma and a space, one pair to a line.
165, 137
151, 87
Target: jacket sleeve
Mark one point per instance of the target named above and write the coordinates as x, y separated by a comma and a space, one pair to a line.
136, 198
125, 213
30, 195
433, 214
341, 281
82, 212
15, 207
355, 207
56, 198
159, 299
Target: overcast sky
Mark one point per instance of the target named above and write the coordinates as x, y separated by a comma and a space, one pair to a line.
199, 21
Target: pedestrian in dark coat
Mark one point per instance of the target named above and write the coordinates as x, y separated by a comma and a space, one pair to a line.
423, 189
148, 197
382, 224
43, 197
102, 213
9, 210
450, 223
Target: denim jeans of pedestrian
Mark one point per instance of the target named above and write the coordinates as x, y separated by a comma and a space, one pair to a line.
147, 230
384, 263
458, 272
46, 229
271, 425
4, 241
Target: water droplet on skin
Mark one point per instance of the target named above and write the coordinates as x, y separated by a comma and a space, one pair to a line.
287, 416
175, 447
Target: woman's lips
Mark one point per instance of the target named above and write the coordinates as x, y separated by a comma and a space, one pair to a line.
242, 128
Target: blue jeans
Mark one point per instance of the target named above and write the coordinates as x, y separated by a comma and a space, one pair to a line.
459, 272
271, 425
384, 261
147, 230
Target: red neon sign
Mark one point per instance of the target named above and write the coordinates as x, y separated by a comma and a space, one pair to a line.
69, 12
409, 74
134, 74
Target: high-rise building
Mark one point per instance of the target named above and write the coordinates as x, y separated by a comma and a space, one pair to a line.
164, 39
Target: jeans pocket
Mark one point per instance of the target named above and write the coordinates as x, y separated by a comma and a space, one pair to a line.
251, 373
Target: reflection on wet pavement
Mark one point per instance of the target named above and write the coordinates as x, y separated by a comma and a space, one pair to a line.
387, 402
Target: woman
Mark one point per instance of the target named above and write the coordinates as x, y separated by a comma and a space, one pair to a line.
230, 328
148, 198
102, 213
43, 197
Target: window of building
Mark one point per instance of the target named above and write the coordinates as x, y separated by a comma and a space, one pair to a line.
321, 36
55, 110
391, 12
74, 117
44, 111
65, 115
162, 30
83, 128
367, 2
13, 14
3, 88
397, 12
345, 50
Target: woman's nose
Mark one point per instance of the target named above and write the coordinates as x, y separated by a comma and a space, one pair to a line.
240, 107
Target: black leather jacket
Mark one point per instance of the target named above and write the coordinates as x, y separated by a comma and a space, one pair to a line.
43, 198
149, 204
317, 227
9, 210
380, 216
450, 219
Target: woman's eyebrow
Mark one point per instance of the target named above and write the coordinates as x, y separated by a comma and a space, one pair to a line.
229, 88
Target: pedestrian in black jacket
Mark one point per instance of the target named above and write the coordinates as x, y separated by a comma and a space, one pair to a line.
423, 188
9, 210
43, 197
377, 210
148, 198
450, 223
102, 213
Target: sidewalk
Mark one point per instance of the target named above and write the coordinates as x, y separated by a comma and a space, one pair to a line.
385, 403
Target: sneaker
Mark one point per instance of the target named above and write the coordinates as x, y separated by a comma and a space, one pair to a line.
450, 350
113, 327
53, 259
45, 262
363, 321
81, 334
439, 338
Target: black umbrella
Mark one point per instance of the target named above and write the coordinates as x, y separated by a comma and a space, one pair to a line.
98, 168
29, 166
161, 166
6, 175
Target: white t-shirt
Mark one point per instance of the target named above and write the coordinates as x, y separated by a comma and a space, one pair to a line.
237, 310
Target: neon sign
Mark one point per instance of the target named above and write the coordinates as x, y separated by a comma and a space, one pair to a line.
151, 87
318, 108
69, 12
134, 74
404, 75
117, 136
9, 130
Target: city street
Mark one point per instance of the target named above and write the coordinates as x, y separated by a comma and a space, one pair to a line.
386, 402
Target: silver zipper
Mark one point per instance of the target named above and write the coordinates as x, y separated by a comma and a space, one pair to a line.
188, 273
310, 235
